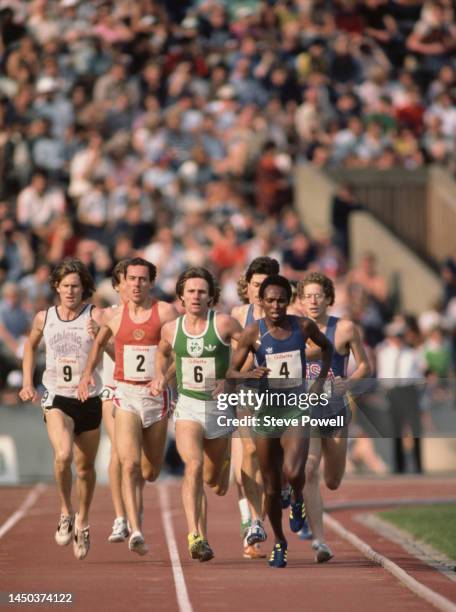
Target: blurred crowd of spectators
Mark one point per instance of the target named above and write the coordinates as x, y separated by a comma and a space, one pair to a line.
170, 130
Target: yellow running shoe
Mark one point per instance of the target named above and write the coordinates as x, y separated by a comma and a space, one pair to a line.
195, 545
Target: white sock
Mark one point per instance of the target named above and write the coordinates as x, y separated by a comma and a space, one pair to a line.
244, 510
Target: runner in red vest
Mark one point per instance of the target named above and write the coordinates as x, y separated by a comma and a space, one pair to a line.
141, 419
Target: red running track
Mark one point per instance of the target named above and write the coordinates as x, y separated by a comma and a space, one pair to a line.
112, 578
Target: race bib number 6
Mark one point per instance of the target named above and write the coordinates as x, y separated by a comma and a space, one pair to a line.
196, 371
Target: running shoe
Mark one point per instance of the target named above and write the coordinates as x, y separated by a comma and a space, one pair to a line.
205, 552
64, 530
137, 543
322, 552
195, 545
305, 533
245, 527
119, 530
81, 542
256, 533
278, 556
285, 496
297, 516
253, 551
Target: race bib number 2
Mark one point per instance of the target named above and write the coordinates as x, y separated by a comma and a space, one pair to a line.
196, 372
139, 363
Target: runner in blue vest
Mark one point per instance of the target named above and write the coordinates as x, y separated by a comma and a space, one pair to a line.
252, 531
278, 343
315, 295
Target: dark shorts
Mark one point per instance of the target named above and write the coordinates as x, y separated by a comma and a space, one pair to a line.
86, 415
273, 422
341, 408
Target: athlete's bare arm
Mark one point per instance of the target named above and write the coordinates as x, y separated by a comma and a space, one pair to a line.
347, 333
162, 358
107, 316
246, 345
99, 345
347, 339
239, 313
28, 391
166, 312
228, 328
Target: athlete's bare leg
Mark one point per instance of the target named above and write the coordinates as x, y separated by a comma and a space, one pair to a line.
270, 455
114, 470
153, 443
312, 495
295, 444
334, 451
236, 461
202, 522
60, 428
85, 452
250, 473
128, 435
216, 464
286, 455
189, 442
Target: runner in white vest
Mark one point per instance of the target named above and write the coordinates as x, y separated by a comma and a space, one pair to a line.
71, 424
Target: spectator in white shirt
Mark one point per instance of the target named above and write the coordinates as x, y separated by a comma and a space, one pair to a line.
400, 368
38, 205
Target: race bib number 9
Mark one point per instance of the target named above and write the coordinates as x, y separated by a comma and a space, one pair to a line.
285, 369
139, 363
196, 371
68, 373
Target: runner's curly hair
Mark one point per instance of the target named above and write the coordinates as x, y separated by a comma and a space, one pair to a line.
319, 279
73, 266
278, 281
242, 289
119, 270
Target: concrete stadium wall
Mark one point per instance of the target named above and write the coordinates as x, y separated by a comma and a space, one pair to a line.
313, 193
25, 452
26, 455
419, 285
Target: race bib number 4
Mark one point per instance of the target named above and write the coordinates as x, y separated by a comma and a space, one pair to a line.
139, 362
196, 371
285, 369
68, 373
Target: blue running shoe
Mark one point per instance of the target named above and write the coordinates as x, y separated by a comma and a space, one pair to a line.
285, 497
278, 556
297, 516
305, 533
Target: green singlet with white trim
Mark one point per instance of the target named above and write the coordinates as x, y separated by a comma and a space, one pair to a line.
200, 360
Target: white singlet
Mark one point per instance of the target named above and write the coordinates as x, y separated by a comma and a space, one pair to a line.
68, 345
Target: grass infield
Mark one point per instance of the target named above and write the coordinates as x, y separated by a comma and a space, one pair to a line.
434, 525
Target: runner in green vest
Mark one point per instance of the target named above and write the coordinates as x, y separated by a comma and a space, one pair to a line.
200, 341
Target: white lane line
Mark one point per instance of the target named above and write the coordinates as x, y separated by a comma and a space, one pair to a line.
435, 599
424, 552
179, 581
28, 502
